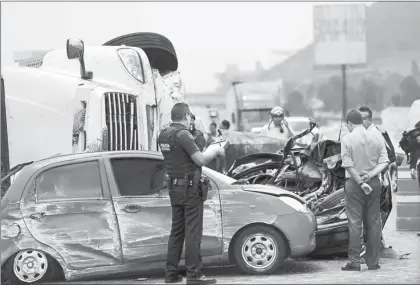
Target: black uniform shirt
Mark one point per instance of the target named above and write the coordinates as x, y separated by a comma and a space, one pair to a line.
186, 141
177, 151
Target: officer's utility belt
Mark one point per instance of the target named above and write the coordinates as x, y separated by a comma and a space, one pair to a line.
181, 182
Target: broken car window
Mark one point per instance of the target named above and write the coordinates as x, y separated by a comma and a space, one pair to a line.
139, 176
73, 181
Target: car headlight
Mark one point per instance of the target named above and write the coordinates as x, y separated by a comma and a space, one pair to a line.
342, 216
331, 161
296, 204
131, 61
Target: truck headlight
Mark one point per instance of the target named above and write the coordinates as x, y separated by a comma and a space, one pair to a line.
131, 61
296, 204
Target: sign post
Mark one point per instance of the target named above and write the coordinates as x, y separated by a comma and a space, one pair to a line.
340, 39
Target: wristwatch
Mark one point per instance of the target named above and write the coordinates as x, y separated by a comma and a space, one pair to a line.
360, 183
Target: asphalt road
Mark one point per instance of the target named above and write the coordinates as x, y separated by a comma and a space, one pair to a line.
397, 267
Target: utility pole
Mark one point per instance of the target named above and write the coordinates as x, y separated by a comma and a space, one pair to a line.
344, 75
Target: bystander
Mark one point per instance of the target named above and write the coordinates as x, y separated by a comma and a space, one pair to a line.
225, 125
364, 157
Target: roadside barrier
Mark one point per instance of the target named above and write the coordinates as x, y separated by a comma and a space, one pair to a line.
408, 202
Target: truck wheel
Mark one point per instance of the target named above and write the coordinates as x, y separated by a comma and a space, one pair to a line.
259, 250
30, 266
158, 48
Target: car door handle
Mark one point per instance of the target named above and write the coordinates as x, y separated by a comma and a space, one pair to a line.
37, 216
132, 208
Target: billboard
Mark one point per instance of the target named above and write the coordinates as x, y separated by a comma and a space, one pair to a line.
339, 34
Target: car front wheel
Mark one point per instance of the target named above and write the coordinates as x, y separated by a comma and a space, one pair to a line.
259, 250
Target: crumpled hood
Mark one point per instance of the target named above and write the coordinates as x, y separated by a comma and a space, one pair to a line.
270, 190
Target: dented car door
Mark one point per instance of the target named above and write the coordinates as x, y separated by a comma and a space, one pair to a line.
144, 213
144, 218
67, 206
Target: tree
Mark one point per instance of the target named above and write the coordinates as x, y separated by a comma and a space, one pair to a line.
415, 69
331, 92
295, 104
396, 100
410, 90
370, 94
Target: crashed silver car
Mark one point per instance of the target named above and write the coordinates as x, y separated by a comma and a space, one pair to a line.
315, 174
97, 214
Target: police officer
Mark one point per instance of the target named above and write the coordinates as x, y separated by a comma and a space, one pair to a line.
183, 160
198, 135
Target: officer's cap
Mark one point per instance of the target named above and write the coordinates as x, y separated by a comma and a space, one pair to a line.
179, 111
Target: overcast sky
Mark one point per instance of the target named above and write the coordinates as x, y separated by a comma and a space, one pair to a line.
207, 35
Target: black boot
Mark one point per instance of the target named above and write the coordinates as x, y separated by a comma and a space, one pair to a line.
351, 267
173, 279
374, 267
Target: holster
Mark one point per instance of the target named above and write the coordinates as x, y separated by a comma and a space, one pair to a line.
204, 187
196, 180
200, 184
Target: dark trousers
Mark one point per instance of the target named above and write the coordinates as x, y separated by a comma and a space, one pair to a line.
187, 224
418, 173
362, 208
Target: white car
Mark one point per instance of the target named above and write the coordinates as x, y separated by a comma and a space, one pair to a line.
297, 124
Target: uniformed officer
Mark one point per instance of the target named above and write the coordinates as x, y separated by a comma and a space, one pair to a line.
198, 135
183, 160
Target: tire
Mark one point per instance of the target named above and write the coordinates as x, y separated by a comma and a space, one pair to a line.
49, 268
159, 49
332, 200
251, 235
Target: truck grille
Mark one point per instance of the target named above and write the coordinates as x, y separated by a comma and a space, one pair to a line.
121, 121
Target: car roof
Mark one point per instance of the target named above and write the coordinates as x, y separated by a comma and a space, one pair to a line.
87, 155
15, 191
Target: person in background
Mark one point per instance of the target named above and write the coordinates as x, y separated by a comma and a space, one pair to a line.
225, 125
382, 135
278, 127
198, 135
364, 157
211, 138
415, 158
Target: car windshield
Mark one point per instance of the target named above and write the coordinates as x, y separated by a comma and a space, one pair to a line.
299, 126
219, 176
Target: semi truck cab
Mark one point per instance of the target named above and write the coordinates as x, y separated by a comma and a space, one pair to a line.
84, 99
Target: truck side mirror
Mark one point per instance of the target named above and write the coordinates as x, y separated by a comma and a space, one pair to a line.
76, 50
